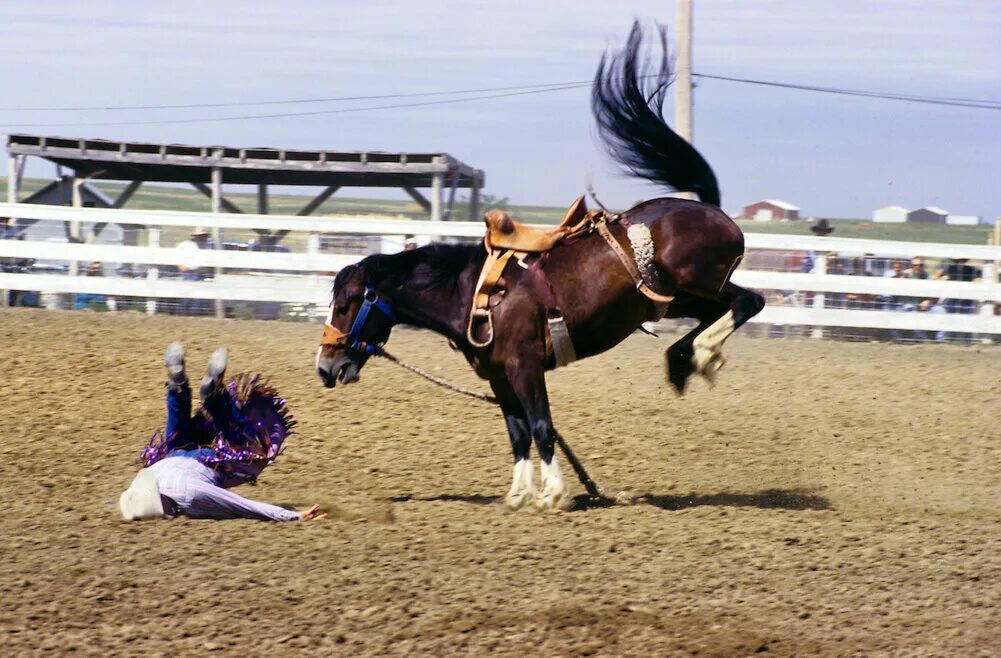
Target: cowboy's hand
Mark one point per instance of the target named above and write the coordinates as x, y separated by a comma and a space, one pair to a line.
312, 514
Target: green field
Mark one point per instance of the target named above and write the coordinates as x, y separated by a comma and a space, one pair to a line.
163, 197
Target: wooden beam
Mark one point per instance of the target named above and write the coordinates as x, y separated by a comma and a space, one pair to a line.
318, 201
419, 198
126, 194
222, 201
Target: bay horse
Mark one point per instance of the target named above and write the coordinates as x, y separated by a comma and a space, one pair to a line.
696, 248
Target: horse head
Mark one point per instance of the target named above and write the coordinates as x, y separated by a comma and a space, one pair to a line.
358, 324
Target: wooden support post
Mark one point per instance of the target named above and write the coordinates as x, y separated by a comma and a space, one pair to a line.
262, 199
451, 194
15, 168
474, 195
217, 205
437, 189
223, 202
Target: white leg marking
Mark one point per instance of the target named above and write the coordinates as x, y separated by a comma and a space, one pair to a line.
554, 494
708, 346
522, 488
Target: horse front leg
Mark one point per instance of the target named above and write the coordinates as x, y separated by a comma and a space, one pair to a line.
523, 489
530, 389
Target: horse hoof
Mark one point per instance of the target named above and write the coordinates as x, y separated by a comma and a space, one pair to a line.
515, 502
556, 501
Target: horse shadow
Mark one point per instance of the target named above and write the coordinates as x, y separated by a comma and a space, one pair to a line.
472, 499
787, 499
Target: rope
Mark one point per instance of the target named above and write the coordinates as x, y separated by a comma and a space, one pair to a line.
438, 380
592, 489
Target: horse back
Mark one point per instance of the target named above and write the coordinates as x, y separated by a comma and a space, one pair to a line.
697, 245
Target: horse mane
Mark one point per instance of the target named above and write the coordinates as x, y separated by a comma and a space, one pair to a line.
627, 101
432, 266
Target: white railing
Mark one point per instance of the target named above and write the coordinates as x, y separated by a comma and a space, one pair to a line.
304, 277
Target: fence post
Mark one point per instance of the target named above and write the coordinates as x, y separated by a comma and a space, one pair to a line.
153, 272
313, 249
819, 269
220, 304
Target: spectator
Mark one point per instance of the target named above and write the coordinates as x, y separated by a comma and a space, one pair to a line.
917, 269
89, 301
960, 270
9, 231
896, 271
926, 306
191, 271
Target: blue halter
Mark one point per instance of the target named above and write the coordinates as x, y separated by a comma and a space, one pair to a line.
372, 300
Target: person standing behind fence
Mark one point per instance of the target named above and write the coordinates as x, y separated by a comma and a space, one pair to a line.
91, 301
191, 271
960, 270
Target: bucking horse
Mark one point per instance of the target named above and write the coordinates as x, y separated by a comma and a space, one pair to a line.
527, 300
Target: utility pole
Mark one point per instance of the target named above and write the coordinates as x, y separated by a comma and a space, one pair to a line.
683, 79
683, 71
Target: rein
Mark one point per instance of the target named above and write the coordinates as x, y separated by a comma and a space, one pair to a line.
437, 380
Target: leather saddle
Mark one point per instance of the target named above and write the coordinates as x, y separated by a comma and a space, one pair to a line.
503, 232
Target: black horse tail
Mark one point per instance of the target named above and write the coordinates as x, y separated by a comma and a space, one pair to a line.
631, 122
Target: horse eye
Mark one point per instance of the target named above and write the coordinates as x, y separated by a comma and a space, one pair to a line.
341, 310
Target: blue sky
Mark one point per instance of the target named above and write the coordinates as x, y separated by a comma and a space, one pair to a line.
833, 156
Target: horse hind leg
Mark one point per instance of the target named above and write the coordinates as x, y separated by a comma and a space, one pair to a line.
700, 351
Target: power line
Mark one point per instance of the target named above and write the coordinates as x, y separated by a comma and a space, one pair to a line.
508, 92
914, 98
294, 101
283, 115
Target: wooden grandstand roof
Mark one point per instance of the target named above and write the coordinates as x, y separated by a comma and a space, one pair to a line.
183, 163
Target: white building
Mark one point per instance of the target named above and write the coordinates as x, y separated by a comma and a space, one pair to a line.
963, 220
890, 215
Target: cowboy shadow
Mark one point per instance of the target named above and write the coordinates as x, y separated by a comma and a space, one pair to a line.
787, 499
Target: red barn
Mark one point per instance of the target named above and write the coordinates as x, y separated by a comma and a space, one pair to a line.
764, 211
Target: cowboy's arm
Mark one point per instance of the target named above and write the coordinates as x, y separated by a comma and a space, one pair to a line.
212, 502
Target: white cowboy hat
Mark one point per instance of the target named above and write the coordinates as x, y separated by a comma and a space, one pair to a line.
199, 230
141, 501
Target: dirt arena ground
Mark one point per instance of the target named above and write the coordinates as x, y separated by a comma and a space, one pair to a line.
825, 499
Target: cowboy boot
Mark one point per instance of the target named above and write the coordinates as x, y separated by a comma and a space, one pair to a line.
173, 358
212, 382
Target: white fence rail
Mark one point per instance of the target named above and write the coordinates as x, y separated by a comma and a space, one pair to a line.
304, 277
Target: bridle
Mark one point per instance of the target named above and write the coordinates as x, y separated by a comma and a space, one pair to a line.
334, 337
